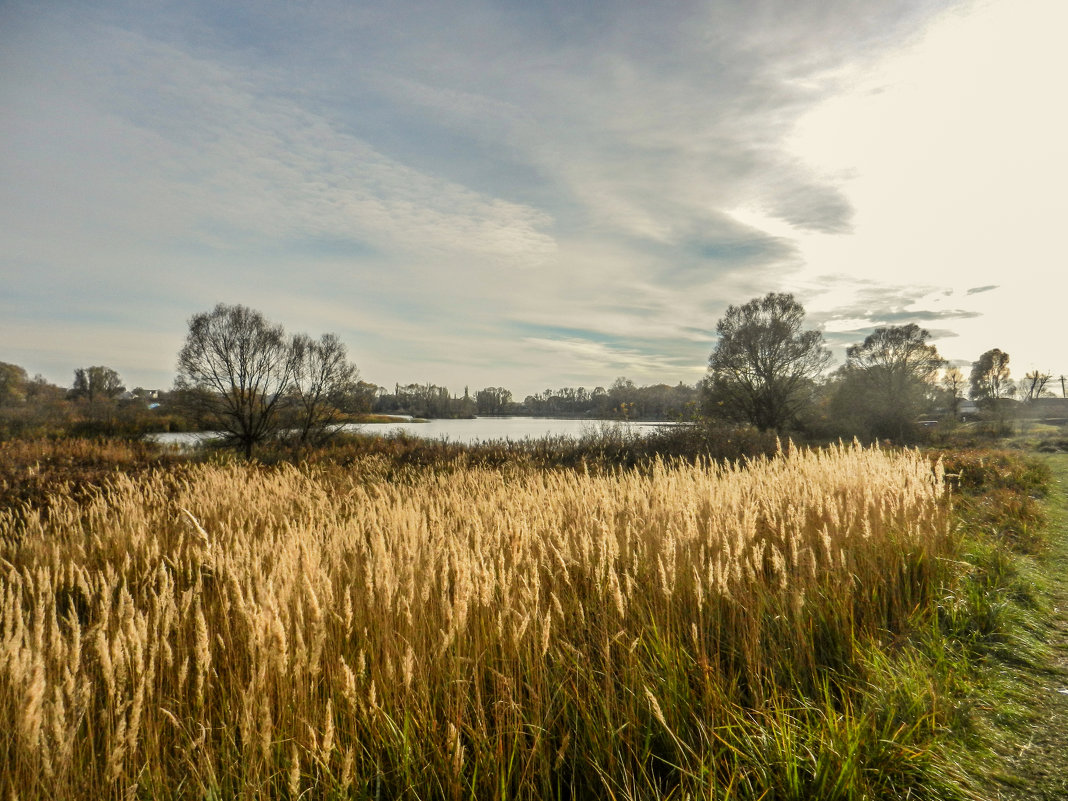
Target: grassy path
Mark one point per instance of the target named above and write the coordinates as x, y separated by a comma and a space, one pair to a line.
1038, 766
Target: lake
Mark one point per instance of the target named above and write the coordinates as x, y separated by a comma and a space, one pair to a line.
478, 429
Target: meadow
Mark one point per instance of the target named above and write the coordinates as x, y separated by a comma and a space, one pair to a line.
364, 628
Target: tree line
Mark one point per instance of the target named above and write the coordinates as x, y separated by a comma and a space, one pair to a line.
242, 375
768, 371
623, 400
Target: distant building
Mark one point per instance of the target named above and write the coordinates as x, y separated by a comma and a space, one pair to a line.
1045, 409
967, 410
139, 393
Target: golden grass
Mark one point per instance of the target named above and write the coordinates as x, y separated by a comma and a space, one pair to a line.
257, 632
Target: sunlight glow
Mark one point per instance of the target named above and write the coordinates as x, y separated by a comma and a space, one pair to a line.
952, 154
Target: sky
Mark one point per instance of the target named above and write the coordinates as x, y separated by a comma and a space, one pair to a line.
529, 193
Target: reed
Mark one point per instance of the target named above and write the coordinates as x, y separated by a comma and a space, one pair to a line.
241, 631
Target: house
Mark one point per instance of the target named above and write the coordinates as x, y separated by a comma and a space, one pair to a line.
967, 410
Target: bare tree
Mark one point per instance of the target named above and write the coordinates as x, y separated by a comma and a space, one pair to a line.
95, 383
323, 379
763, 367
889, 378
236, 367
1033, 385
897, 354
953, 383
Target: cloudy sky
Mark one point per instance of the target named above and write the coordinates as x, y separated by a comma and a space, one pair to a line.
529, 193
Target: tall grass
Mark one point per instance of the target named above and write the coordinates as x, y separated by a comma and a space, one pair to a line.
261, 632
604, 445
33, 469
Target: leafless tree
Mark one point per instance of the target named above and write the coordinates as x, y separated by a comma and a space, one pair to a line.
236, 367
764, 364
954, 384
1033, 385
888, 379
323, 379
96, 383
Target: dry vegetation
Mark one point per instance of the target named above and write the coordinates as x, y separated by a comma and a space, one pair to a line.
245, 631
33, 469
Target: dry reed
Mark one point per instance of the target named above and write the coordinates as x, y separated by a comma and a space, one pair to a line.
254, 632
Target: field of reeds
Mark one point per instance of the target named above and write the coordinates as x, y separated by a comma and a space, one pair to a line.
363, 631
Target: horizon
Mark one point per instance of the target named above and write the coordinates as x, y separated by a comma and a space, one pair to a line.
1053, 379
530, 195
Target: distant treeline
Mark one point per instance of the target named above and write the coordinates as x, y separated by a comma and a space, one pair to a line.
97, 402
624, 400
242, 375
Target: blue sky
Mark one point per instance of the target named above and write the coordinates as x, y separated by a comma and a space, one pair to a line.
528, 194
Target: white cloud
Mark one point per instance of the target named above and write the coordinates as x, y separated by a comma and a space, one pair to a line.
598, 357
197, 147
951, 151
441, 182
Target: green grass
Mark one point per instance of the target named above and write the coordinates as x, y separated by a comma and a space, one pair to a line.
1027, 723
996, 652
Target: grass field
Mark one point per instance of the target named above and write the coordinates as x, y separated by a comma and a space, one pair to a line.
785, 629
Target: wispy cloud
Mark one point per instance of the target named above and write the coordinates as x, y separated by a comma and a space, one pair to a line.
882, 303
230, 160
595, 357
449, 184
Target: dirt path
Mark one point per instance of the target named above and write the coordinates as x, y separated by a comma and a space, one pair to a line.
1039, 768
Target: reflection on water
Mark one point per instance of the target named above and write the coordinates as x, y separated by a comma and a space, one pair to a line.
482, 429
479, 429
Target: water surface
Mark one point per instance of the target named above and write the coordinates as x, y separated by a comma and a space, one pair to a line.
478, 429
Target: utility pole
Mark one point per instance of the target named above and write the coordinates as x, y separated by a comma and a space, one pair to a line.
1063, 395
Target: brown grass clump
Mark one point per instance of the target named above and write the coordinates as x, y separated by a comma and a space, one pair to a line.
487, 632
33, 469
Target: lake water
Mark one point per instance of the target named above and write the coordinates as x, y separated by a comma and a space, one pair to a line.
479, 429
484, 429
